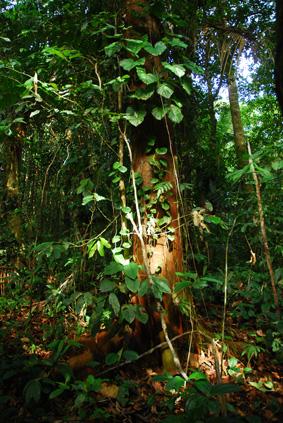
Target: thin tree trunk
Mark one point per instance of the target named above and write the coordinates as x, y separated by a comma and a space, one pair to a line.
239, 137
263, 232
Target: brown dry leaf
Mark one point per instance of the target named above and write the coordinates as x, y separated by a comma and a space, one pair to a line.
109, 390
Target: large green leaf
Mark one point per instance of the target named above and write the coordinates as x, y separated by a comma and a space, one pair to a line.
113, 268
157, 50
178, 70
143, 93
134, 46
129, 64
132, 284
135, 116
175, 114
131, 270
165, 90
147, 78
112, 48
159, 112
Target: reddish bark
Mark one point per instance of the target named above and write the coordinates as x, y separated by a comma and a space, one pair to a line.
164, 255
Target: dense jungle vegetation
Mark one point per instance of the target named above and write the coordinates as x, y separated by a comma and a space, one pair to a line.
141, 204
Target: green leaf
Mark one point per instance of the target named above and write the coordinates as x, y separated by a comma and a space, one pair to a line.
203, 386
98, 197
175, 42
107, 285
119, 258
197, 376
34, 113
165, 90
161, 285
225, 388
147, 78
5, 39
112, 269
178, 70
193, 67
143, 93
57, 392
112, 358
32, 391
131, 270
161, 151
134, 46
157, 50
165, 220
129, 64
130, 355
186, 85
128, 313
159, 112
143, 288
114, 302
141, 315
132, 284
277, 165
87, 199
176, 383
113, 48
175, 114
135, 116
179, 286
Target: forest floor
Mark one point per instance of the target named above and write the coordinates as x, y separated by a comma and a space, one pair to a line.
135, 392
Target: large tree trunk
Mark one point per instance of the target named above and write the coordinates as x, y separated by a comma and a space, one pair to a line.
163, 252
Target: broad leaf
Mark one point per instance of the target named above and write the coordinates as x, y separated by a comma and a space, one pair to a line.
143, 93
135, 116
114, 302
107, 285
147, 78
129, 64
175, 114
132, 284
157, 50
165, 90
131, 270
112, 48
186, 86
178, 70
112, 268
159, 112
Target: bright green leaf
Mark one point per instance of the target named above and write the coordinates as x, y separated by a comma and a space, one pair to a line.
112, 48
175, 114
159, 112
178, 70
147, 78
129, 64
157, 50
165, 90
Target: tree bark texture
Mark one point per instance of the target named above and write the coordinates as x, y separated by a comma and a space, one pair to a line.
164, 255
238, 129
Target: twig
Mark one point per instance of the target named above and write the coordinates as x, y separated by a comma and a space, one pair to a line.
148, 352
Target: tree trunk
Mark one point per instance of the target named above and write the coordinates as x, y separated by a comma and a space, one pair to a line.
161, 241
238, 129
